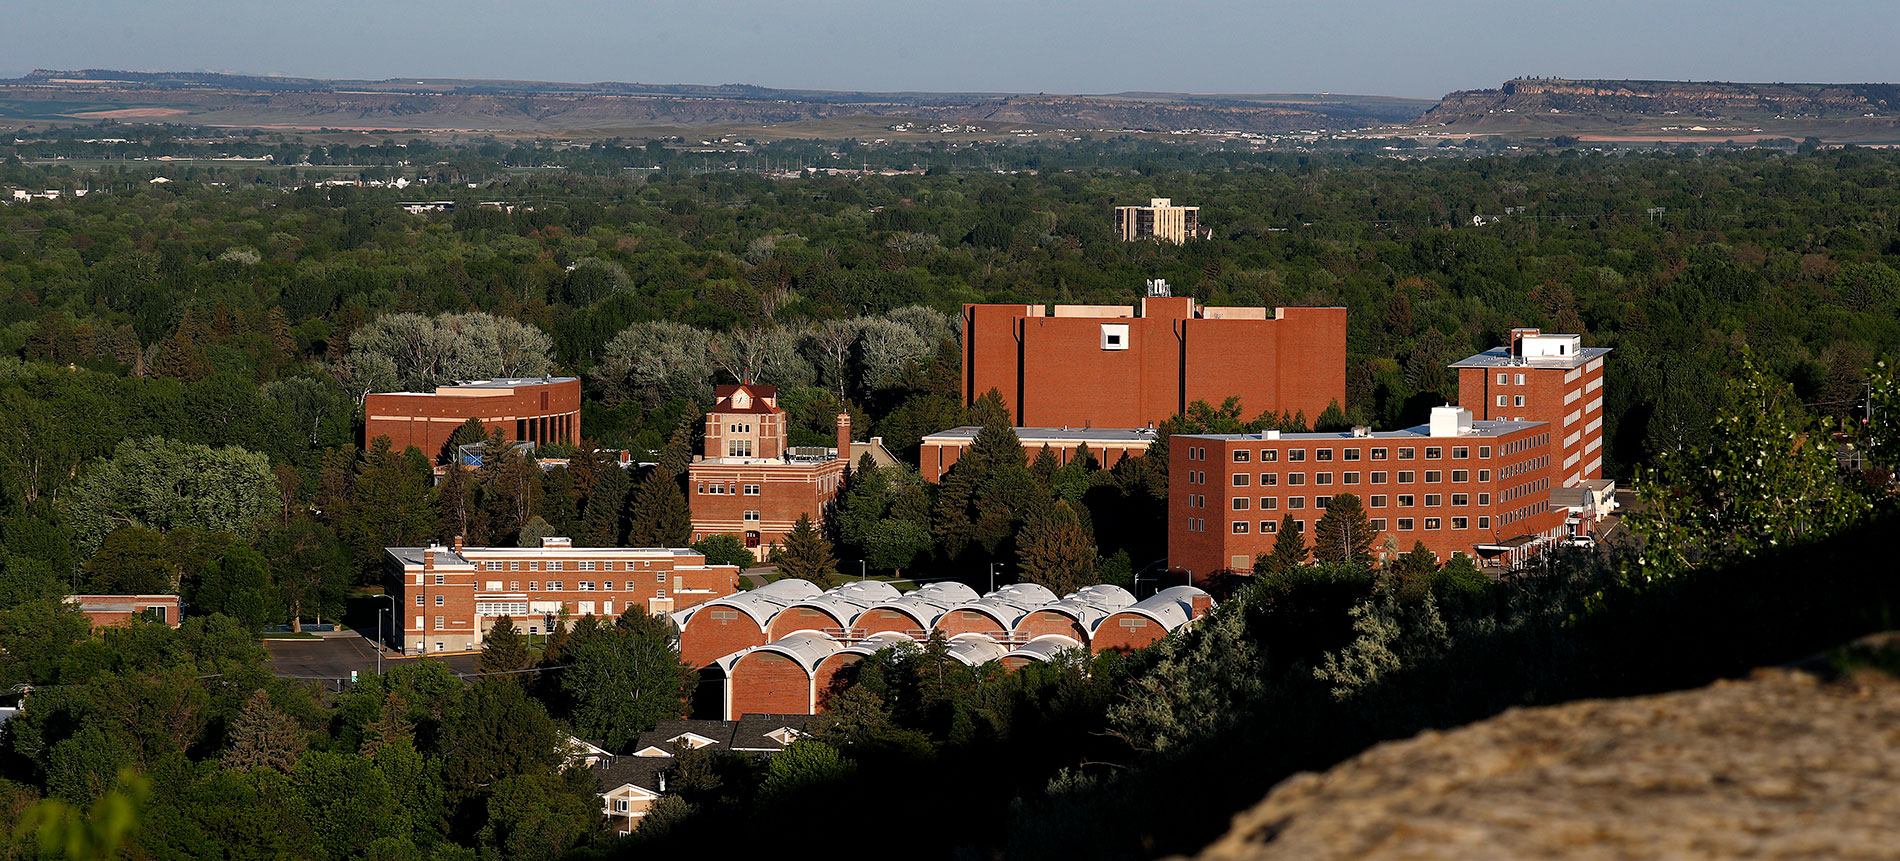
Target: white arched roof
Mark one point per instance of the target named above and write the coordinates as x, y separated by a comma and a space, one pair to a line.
761, 604
844, 603
975, 649
1171, 607
1044, 648
805, 648
1088, 606
928, 604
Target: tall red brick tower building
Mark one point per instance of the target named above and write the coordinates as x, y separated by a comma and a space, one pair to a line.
1131, 367
1548, 378
748, 482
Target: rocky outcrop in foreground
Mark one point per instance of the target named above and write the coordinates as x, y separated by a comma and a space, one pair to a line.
1781, 765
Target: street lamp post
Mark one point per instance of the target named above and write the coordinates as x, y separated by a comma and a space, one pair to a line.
862, 576
993, 575
379, 629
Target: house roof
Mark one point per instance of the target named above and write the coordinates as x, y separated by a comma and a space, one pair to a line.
662, 736
751, 732
644, 772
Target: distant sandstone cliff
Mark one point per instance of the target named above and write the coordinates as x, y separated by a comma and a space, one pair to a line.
1609, 99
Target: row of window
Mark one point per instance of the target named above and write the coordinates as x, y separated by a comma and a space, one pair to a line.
1510, 400
1528, 465
1526, 444
729, 488
559, 565
1298, 455
1405, 524
1297, 479
1377, 500
1503, 379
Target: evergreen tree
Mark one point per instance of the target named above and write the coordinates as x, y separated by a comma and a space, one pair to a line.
1344, 533
1332, 419
1417, 563
264, 737
504, 649
467, 433
623, 678
560, 501
658, 516
534, 530
678, 453
987, 410
1045, 465
806, 555
1289, 549
601, 519
391, 725
1056, 549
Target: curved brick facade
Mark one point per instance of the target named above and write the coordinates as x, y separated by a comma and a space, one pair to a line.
1045, 622
715, 632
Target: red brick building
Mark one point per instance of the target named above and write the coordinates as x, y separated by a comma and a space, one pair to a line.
1543, 378
105, 611
1109, 446
1478, 487
1116, 367
535, 409
749, 483
448, 597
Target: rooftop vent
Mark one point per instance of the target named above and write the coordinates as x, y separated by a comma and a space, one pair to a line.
1158, 288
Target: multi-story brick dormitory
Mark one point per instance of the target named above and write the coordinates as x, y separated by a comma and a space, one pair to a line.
1477, 487
781, 647
1117, 366
531, 409
447, 597
750, 482
1547, 378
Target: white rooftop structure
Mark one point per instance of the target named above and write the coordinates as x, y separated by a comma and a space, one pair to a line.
761, 604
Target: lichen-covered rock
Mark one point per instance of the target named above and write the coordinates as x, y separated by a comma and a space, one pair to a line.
1781, 765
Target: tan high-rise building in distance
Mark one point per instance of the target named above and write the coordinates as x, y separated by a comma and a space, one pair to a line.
1160, 219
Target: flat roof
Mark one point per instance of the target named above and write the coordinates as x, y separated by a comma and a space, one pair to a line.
510, 382
1032, 434
1500, 357
448, 555
1479, 430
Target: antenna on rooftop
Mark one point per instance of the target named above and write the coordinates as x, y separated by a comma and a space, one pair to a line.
1158, 288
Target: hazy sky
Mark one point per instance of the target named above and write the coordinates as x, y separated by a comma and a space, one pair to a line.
1395, 47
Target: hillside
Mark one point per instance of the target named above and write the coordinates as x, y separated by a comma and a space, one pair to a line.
477, 105
1661, 108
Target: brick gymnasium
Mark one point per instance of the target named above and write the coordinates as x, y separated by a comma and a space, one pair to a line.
1481, 486
536, 409
1113, 366
749, 482
780, 648
446, 598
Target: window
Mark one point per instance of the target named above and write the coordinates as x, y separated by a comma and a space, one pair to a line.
1114, 336
1460, 476
1433, 500
738, 448
555, 565
587, 566
1378, 524
1378, 477
1296, 502
1378, 500
1268, 455
752, 490
1295, 455
418, 600
1484, 499
514, 585
1460, 500
1350, 478
1351, 454
554, 585
1322, 478
1484, 523
1484, 452
1268, 527
1433, 476
1321, 501
1504, 400
1241, 479
1295, 479
586, 585
1242, 455
1502, 379
1322, 454
1407, 453
1378, 454
751, 516
1406, 476
1459, 452
1269, 503
491, 566
1434, 453
1461, 523
440, 579
1520, 379
1431, 523
514, 566
534, 566
1242, 502
1268, 479
741, 428
438, 626
1240, 527
659, 576
440, 600
1517, 401
1405, 523
1484, 475
534, 586
1406, 500
609, 585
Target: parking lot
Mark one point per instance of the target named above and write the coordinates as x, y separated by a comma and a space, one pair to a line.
333, 658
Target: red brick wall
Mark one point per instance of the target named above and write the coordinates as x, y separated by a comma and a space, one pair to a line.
1113, 636
426, 421
936, 458
715, 632
827, 674
769, 683
875, 621
1053, 372
1044, 622
794, 619
1571, 400
1213, 549
786, 491
969, 621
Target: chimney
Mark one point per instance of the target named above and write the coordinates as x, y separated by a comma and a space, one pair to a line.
458, 544
428, 557
1361, 431
1199, 605
844, 436
626, 457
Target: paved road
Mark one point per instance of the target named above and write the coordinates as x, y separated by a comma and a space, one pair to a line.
334, 658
